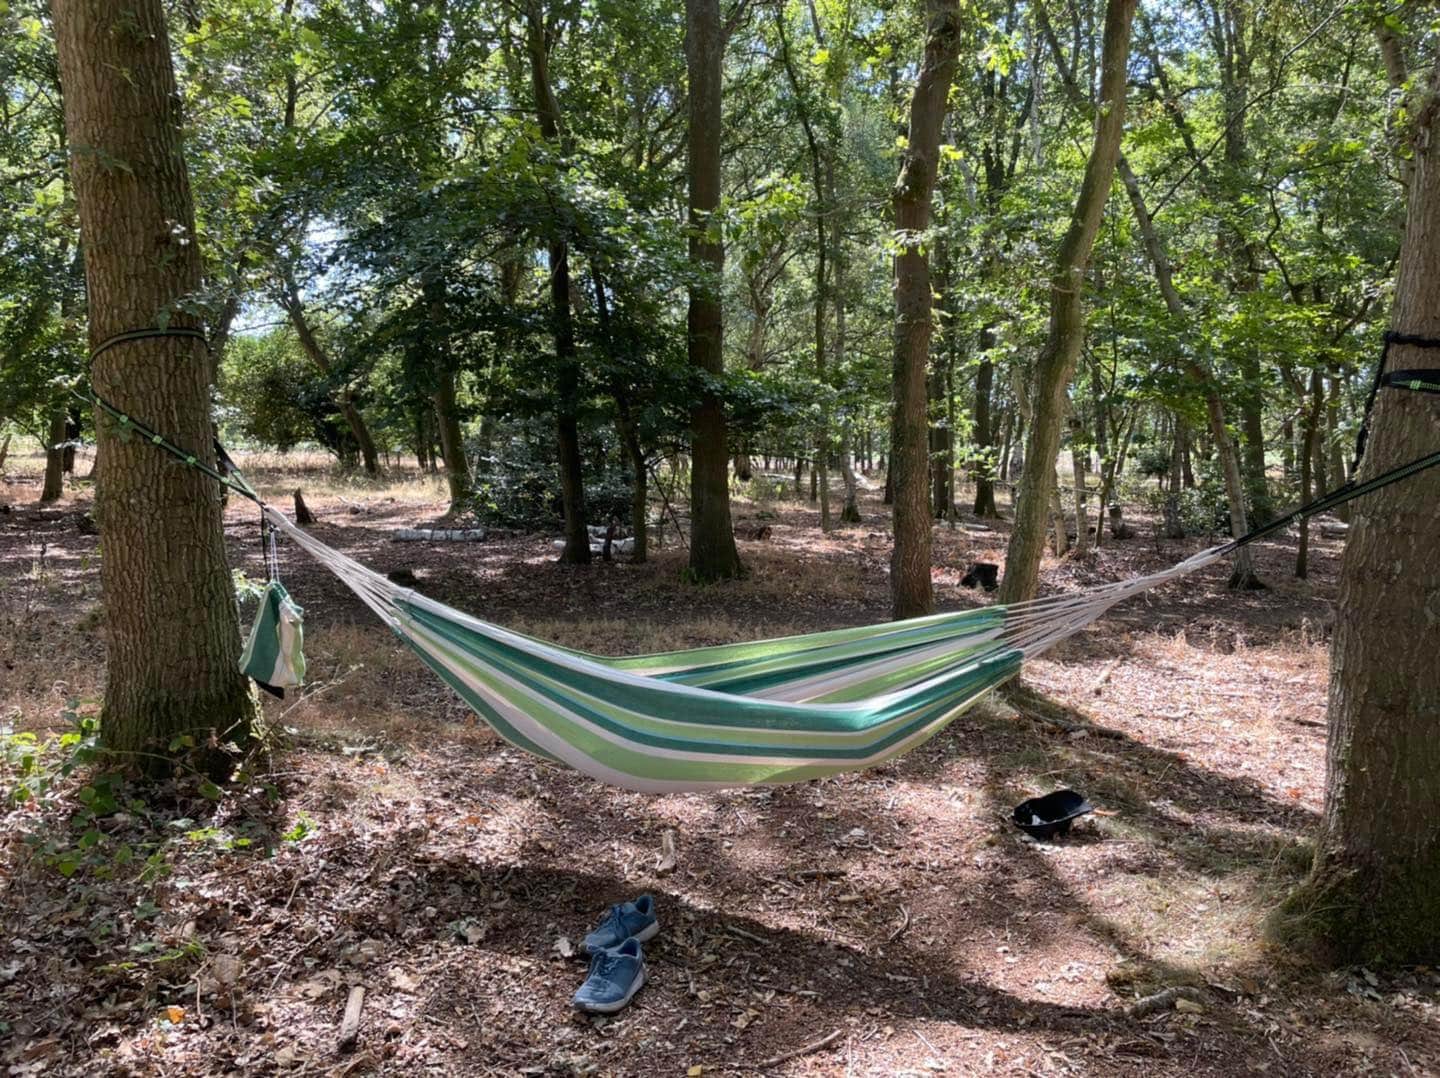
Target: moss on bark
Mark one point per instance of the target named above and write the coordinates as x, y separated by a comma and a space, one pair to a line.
1349, 915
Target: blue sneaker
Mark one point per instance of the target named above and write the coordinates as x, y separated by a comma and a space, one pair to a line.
615, 976
629, 920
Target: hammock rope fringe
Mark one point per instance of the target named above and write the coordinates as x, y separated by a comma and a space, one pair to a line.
766, 712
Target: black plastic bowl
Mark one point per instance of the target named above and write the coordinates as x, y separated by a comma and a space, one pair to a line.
1051, 815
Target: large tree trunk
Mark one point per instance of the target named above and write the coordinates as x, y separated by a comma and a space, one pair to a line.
911, 592
713, 555
1374, 892
54, 485
173, 639
1056, 362
295, 309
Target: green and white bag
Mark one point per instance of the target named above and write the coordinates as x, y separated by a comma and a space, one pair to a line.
274, 655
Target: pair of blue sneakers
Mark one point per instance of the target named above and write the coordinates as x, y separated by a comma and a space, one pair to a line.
617, 964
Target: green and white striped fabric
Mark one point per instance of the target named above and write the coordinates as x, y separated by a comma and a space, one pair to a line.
274, 653
773, 711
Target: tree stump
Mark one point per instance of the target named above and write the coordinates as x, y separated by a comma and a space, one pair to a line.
1118, 528
983, 574
303, 516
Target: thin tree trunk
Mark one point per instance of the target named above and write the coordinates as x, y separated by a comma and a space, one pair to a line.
713, 555
567, 398
911, 591
1332, 439
54, 485
850, 509
1082, 517
629, 434
984, 464
1006, 439
640, 489
452, 443
1374, 891
1057, 523
310, 344
1057, 359
1242, 574
567, 426
935, 392
1311, 426
173, 645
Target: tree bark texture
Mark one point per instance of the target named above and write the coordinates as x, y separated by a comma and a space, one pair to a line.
1374, 892
1056, 362
713, 555
173, 644
911, 592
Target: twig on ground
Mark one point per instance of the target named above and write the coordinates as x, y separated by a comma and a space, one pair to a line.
1104, 677
350, 1024
804, 1050
746, 935
904, 924
1162, 1000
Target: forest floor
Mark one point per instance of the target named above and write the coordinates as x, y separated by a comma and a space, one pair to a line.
389, 840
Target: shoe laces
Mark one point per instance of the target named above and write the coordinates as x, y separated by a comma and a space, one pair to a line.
603, 963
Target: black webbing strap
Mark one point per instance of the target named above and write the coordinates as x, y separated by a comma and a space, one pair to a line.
1425, 381
1338, 496
1388, 378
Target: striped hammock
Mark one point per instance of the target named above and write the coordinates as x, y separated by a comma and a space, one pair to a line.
768, 712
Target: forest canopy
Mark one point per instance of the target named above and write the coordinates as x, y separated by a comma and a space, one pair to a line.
379, 189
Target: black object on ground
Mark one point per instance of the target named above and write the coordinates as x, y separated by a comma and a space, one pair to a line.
984, 574
1051, 815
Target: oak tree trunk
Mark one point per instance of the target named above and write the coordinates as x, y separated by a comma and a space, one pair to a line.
173, 644
911, 592
713, 555
1374, 891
